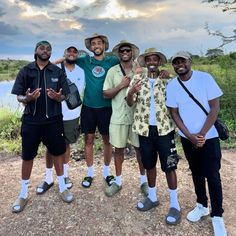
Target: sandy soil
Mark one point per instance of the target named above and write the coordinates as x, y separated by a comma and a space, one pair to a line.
92, 213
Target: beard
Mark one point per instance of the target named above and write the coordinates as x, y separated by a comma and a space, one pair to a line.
98, 53
70, 61
152, 69
182, 71
42, 58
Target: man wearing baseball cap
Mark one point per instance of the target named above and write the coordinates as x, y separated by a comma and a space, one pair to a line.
70, 121
198, 134
41, 86
120, 129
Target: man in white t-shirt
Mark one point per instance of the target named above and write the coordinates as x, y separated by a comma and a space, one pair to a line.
198, 135
70, 121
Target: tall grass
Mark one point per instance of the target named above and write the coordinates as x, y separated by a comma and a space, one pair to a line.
10, 131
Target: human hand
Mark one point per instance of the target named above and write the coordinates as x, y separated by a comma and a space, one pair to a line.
136, 87
164, 74
197, 140
54, 95
125, 81
32, 96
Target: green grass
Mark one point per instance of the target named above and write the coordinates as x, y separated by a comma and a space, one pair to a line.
222, 68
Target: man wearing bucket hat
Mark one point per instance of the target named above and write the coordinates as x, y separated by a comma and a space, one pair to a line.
120, 130
199, 137
96, 110
70, 121
41, 86
155, 128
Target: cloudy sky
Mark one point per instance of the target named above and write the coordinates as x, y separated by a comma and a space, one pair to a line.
168, 25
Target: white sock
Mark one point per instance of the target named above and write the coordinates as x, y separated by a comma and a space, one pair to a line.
61, 182
174, 198
152, 195
24, 188
173, 202
106, 171
90, 171
218, 226
65, 169
48, 175
118, 180
143, 179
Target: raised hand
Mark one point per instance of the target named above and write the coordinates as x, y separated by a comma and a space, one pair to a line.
54, 95
136, 87
32, 96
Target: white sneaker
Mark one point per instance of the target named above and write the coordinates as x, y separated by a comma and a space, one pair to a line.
218, 226
197, 213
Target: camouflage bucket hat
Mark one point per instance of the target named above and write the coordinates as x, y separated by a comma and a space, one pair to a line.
148, 52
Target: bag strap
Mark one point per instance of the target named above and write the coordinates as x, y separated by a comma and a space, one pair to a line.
63, 67
122, 70
191, 96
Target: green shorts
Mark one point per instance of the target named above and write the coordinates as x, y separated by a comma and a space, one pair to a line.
71, 130
120, 135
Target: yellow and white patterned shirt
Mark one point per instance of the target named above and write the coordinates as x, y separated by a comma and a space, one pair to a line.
142, 100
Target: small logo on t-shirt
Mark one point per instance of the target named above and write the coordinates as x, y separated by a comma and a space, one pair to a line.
98, 71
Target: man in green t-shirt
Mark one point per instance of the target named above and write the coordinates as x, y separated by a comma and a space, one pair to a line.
96, 111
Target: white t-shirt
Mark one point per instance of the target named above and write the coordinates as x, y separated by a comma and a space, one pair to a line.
152, 119
76, 76
204, 88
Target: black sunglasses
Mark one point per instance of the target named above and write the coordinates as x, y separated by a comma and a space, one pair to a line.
125, 50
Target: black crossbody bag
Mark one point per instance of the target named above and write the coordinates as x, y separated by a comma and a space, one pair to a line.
221, 128
72, 99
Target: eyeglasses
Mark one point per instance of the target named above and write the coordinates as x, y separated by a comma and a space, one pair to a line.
125, 50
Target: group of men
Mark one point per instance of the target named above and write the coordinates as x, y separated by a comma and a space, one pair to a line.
128, 99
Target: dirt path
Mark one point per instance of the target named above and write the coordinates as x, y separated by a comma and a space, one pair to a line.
92, 213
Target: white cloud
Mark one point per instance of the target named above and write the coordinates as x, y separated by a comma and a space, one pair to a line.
165, 24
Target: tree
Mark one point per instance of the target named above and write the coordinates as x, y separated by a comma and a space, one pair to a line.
229, 6
214, 52
225, 5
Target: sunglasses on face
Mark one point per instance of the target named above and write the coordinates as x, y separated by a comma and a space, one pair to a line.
125, 50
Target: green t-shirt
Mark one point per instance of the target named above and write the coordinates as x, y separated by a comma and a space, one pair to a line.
95, 73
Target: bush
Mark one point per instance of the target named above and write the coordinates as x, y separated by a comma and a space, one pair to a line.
10, 130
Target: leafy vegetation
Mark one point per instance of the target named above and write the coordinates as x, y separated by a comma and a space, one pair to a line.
222, 67
9, 68
10, 131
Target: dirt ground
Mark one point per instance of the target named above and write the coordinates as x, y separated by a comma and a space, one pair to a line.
92, 213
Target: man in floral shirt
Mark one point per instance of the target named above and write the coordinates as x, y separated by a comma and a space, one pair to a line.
155, 128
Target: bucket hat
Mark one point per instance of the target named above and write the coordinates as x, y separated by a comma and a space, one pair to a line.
151, 51
87, 41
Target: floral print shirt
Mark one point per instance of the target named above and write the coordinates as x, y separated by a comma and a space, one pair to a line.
142, 100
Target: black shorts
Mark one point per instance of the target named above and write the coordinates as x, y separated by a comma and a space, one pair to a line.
51, 135
153, 145
95, 117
